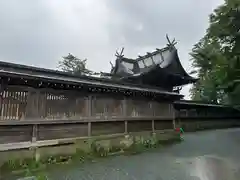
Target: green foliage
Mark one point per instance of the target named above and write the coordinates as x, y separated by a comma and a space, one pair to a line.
42, 177
38, 176
16, 164
141, 144
73, 64
217, 56
99, 150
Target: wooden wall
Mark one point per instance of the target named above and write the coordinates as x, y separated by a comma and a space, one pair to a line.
24, 103
204, 124
207, 113
36, 115
193, 119
34, 131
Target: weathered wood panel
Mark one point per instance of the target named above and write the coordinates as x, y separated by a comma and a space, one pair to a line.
104, 106
102, 128
32, 105
65, 105
11, 134
162, 109
163, 124
137, 108
59, 131
49, 104
208, 113
13, 102
138, 126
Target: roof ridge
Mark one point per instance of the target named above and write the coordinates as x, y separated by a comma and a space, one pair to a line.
150, 54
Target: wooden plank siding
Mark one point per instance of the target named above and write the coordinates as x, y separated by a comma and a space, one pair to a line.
59, 131
39, 114
23, 103
12, 134
104, 128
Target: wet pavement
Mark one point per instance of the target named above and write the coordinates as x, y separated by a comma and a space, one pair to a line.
209, 155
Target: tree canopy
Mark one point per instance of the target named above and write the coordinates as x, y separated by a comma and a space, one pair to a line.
216, 57
73, 64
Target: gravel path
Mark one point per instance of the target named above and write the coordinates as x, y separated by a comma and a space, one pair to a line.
209, 155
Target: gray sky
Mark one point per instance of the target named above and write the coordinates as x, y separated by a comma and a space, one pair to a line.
40, 32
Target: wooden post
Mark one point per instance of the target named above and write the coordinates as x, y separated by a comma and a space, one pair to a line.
153, 126
89, 129
34, 133
34, 141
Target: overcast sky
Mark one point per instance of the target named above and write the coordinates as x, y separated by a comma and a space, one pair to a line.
40, 32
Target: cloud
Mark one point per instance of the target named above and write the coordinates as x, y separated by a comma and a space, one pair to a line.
142, 25
41, 32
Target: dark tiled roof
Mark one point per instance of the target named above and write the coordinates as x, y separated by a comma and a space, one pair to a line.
18, 70
166, 59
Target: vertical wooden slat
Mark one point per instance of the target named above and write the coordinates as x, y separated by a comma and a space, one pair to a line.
8, 105
11, 105
19, 108
24, 105
14, 103
50, 106
4, 105
53, 106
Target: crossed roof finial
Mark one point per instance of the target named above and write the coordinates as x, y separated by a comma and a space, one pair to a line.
120, 55
172, 43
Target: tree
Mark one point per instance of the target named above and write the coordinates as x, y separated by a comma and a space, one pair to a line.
73, 64
217, 55
207, 60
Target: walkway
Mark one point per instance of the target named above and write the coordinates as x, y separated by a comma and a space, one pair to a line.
211, 155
